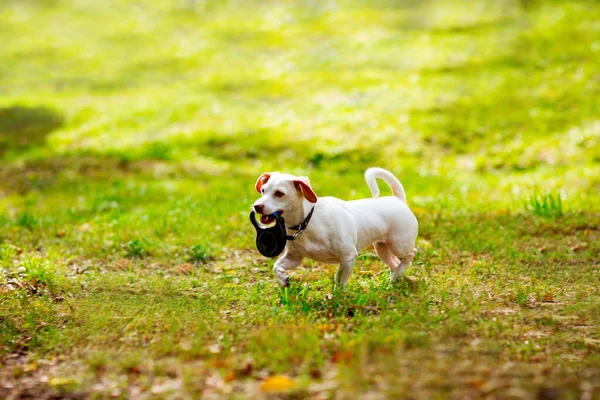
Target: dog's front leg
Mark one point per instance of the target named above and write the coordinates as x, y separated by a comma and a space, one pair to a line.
346, 267
286, 262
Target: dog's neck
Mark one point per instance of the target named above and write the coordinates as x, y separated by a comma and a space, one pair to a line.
299, 215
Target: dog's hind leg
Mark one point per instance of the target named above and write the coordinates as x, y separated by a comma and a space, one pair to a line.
406, 261
385, 254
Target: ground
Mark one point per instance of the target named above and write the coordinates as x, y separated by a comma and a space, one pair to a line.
131, 135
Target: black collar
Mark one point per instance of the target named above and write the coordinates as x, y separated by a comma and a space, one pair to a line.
301, 227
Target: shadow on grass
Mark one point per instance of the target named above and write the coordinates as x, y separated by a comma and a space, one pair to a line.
349, 302
24, 127
65, 171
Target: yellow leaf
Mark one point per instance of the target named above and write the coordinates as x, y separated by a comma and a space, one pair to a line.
31, 367
278, 383
230, 376
61, 382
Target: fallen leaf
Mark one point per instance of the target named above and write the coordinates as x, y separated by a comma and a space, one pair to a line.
344, 355
230, 376
185, 268
476, 383
592, 343
31, 366
247, 370
135, 370
17, 250
579, 247
221, 363
315, 373
56, 382
277, 384
122, 264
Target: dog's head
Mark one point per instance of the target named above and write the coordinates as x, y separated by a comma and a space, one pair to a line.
282, 193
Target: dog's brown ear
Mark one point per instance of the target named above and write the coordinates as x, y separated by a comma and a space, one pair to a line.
303, 185
263, 179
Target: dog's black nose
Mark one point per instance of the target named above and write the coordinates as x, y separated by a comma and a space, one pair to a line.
259, 208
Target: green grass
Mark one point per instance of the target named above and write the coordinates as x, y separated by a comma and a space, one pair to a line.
546, 205
131, 135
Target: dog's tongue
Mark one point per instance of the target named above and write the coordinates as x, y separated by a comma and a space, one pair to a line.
267, 219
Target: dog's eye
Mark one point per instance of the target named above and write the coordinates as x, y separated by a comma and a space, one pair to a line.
279, 194
262, 191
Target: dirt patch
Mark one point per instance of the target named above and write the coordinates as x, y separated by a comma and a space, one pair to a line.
23, 379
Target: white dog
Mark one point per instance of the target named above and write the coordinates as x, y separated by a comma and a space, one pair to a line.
332, 230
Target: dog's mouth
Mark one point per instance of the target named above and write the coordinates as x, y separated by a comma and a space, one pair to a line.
269, 219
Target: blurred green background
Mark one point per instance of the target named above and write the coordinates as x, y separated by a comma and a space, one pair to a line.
441, 87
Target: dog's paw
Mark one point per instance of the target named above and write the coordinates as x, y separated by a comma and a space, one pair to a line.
406, 279
394, 278
284, 282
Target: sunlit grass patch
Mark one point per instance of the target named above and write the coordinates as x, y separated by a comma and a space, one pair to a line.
135, 248
200, 253
545, 204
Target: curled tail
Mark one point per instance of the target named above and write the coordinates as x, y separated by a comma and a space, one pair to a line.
371, 176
